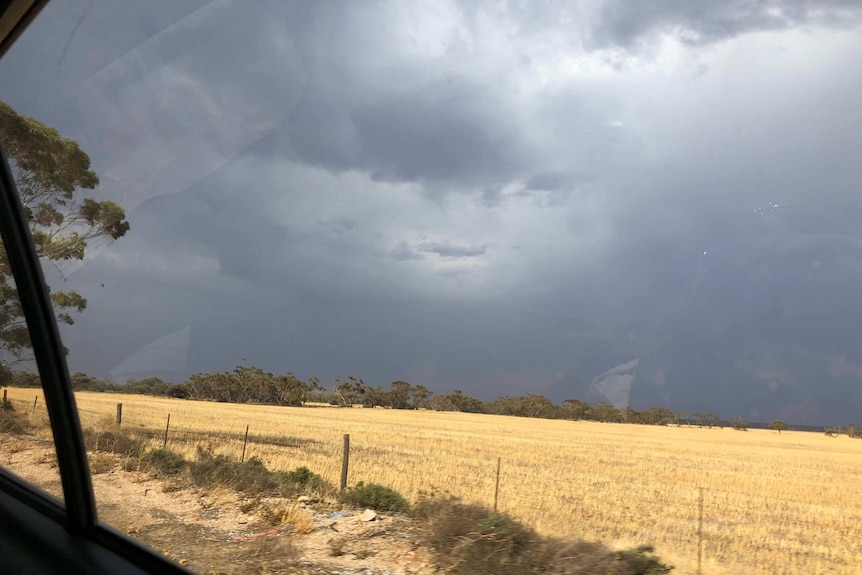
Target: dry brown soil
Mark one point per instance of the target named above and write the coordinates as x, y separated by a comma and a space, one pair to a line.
217, 531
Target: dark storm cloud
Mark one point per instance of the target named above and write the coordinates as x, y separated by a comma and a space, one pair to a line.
446, 129
440, 132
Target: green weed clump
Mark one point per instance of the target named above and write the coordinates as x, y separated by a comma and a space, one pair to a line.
163, 462
305, 479
375, 497
252, 477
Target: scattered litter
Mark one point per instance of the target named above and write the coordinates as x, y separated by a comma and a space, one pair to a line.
336, 514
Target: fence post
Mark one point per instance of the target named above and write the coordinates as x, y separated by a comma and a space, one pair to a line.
700, 531
5, 401
168, 426
497, 485
244, 442
34, 403
119, 414
345, 460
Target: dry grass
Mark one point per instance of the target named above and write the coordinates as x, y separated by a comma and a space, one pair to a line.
285, 513
101, 462
772, 503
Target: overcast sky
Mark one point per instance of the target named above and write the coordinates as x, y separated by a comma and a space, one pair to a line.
495, 197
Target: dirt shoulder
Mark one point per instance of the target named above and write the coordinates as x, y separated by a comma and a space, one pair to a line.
216, 531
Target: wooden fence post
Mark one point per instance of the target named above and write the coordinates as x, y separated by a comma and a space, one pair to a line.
244, 443
119, 414
497, 486
5, 401
345, 461
168, 426
34, 403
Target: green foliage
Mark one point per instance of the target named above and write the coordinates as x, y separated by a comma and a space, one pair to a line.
706, 420
606, 412
249, 384
48, 170
25, 379
251, 477
778, 425
457, 401
527, 405
738, 424
305, 479
576, 409
67, 301
84, 382
163, 461
493, 523
375, 497
351, 392
853, 431
146, 386
468, 539
178, 390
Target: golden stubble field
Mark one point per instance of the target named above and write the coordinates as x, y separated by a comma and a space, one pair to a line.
772, 503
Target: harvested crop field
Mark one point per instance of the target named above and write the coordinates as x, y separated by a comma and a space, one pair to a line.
754, 502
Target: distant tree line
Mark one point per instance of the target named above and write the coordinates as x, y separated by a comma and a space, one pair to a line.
253, 385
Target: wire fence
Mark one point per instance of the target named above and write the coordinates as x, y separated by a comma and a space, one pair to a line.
701, 529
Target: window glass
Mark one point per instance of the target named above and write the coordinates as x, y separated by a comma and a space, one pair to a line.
582, 276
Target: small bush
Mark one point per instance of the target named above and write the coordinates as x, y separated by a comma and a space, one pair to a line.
304, 478
472, 539
251, 477
467, 539
163, 461
375, 497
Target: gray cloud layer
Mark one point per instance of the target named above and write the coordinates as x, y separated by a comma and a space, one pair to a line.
492, 197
